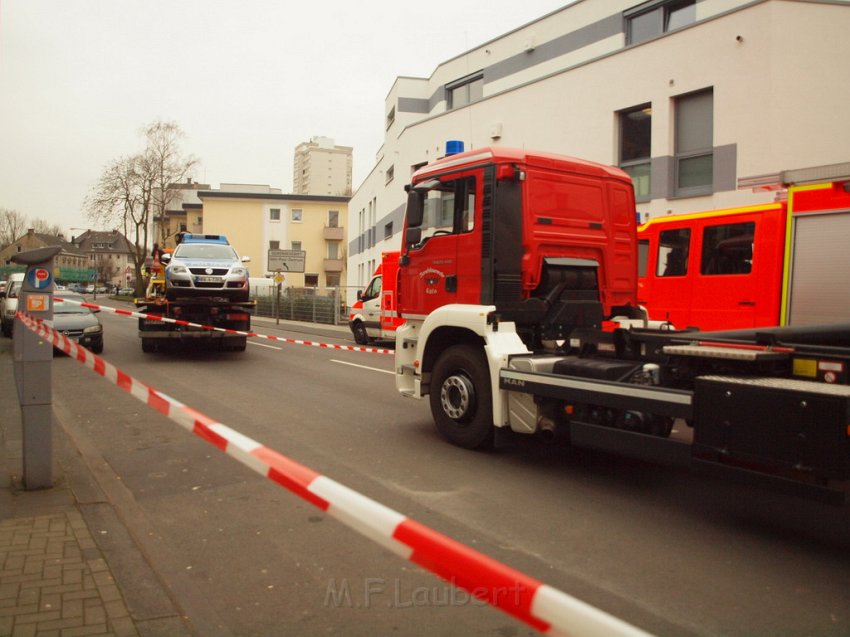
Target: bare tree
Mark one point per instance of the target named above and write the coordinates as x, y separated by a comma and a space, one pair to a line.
45, 227
122, 195
168, 168
12, 226
133, 189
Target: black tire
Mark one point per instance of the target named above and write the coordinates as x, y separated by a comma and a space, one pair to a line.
461, 397
360, 335
97, 349
148, 345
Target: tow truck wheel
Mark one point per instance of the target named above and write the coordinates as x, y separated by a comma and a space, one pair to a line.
461, 401
148, 345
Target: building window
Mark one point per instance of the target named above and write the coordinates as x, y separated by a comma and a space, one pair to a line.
296, 215
390, 174
694, 144
651, 19
274, 214
333, 218
311, 280
388, 230
391, 117
295, 245
673, 251
635, 148
465, 91
332, 279
274, 245
333, 249
728, 249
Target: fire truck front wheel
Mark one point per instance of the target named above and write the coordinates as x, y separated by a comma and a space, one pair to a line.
461, 400
360, 335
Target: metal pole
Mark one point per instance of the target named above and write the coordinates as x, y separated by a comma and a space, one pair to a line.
33, 359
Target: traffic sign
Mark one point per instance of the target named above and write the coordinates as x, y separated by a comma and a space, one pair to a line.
39, 278
287, 260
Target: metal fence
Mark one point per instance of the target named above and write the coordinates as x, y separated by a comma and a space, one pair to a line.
313, 305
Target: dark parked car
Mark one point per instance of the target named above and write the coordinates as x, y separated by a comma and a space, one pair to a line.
76, 322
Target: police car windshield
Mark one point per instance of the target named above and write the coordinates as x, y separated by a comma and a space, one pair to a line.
204, 251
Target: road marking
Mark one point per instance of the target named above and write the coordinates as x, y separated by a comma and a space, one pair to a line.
264, 345
374, 369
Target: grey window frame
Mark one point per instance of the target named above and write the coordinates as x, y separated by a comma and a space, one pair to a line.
634, 164
659, 12
683, 130
467, 83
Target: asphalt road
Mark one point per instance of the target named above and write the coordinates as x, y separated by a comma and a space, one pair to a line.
669, 551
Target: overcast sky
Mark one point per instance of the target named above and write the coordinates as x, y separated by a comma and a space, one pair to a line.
246, 80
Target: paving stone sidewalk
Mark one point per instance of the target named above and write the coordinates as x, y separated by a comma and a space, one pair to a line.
55, 581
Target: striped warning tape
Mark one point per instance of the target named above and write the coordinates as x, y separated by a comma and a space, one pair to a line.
540, 606
211, 328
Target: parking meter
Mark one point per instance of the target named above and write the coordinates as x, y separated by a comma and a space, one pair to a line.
33, 358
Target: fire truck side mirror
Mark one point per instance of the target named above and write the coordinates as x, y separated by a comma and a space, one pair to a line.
414, 209
413, 236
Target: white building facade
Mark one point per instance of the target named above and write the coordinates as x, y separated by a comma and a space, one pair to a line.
704, 102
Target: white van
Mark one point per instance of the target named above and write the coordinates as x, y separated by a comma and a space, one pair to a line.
262, 286
9, 302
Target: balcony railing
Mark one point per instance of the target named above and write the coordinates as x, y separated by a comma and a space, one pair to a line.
333, 234
333, 265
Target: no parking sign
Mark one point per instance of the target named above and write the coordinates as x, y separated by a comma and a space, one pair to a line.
39, 278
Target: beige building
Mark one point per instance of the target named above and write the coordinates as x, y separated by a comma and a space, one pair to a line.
706, 103
257, 219
183, 214
322, 168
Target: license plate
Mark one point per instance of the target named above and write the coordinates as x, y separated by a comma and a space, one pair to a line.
207, 279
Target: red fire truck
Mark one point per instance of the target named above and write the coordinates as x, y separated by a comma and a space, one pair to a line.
514, 265
783, 263
374, 315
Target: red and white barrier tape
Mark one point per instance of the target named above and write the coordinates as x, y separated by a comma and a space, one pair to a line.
542, 607
211, 328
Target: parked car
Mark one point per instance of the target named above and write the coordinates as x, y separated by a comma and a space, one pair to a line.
9, 302
126, 292
89, 289
76, 322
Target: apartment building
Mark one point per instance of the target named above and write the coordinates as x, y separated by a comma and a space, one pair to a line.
258, 218
707, 104
70, 265
110, 256
322, 168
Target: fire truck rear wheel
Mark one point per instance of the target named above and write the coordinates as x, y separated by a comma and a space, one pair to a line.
461, 398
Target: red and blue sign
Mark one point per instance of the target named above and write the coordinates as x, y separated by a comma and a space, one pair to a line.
39, 278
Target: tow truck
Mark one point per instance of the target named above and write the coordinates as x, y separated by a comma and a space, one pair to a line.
518, 288
203, 282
